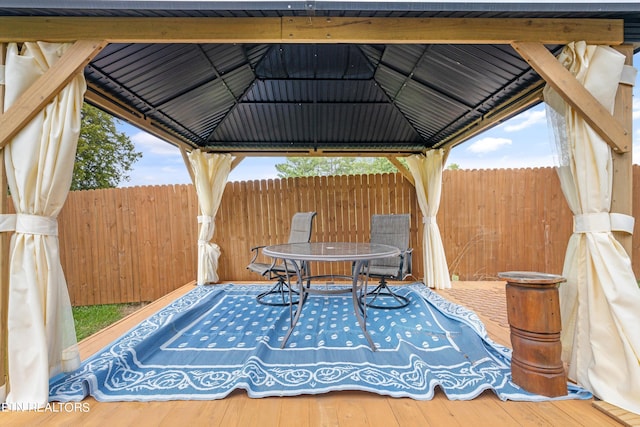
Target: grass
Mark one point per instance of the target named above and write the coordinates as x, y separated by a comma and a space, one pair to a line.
92, 318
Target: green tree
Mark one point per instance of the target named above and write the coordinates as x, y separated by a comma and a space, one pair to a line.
105, 156
453, 166
324, 166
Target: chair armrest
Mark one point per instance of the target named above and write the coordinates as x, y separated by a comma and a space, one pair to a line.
406, 263
256, 250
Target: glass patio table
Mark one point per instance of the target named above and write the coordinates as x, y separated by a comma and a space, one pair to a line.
292, 254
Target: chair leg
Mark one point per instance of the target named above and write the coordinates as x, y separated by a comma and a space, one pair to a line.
383, 290
281, 288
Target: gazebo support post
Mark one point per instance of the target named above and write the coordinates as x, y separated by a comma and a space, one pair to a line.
4, 251
622, 191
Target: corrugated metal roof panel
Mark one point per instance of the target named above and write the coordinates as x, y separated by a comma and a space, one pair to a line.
225, 57
316, 123
203, 7
157, 72
308, 91
188, 109
428, 110
323, 61
213, 92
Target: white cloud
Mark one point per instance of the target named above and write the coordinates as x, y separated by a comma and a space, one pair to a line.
149, 174
151, 144
636, 145
525, 120
487, 145
636, 108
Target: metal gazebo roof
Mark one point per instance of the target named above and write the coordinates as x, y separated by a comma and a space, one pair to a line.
319, 97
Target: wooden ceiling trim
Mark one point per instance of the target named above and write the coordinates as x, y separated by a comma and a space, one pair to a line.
41, 92
505, 111
114, 108
312, 30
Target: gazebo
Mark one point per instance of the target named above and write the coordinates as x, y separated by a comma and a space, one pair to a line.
227, 80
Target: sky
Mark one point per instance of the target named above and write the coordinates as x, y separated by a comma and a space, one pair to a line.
524, 141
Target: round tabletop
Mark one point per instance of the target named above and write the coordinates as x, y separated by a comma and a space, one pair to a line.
331, 251
531, 277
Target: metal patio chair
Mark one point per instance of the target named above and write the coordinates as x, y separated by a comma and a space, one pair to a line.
389, 230
301, 227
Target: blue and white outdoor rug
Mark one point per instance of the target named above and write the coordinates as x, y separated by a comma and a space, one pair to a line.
216, 339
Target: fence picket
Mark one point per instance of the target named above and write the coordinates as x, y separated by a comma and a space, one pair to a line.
137, 244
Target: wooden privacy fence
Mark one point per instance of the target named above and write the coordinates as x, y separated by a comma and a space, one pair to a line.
137, 244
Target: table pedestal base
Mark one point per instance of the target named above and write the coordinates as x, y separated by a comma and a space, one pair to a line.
533, 310
536, 364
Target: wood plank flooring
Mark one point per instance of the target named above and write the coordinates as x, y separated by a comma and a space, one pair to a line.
343, 409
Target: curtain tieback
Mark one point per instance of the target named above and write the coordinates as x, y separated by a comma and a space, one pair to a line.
628, 77
208, 244
29, 224
603, 222
429, 220
205, 219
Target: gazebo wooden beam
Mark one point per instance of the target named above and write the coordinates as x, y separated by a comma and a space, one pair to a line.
622, 190
402, 169
236, 161
568, 87
41, 92
449, 30
187, 164
312, 30
141, 30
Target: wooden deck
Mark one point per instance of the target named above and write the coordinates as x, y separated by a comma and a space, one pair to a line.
332, 409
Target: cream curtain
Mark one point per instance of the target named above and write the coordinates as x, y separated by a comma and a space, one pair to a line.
39, 163
427, 173
600, 302
210, 173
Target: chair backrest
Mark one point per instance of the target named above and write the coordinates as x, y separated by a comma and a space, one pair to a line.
390, 230
301, 224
